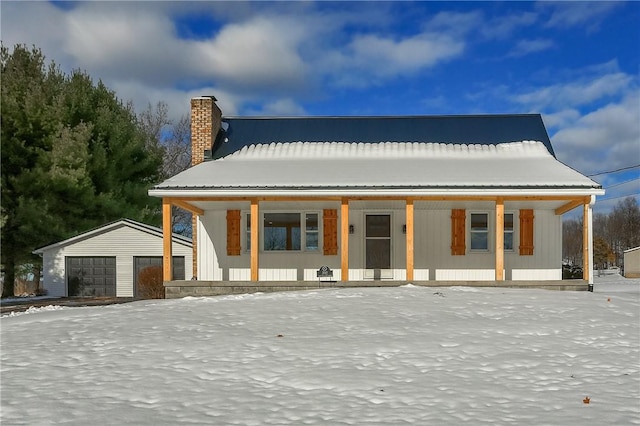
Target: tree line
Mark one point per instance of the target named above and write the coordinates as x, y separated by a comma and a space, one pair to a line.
613, 233
75, 157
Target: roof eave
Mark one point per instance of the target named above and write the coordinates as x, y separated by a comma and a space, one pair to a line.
375, 191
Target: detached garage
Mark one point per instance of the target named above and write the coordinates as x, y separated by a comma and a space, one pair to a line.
108, 261
632, 263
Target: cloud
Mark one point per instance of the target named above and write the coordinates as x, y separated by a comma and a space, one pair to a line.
570, 14
578, 93
524, 47
561, 118
605, 138
454, 23
370, 59
178, 100
504, 26
280, 107
34, 23
121, 41
591, 115
254, 54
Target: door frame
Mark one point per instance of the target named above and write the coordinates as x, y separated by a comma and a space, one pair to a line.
384, 274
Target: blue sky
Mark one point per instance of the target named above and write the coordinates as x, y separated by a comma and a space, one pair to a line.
576, 63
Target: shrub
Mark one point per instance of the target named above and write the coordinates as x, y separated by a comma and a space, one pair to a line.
150, 284
76, 286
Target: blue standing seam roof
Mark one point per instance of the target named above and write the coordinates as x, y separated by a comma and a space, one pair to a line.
239, 132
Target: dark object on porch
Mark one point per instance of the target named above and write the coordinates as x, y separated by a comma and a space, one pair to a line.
571, 272
325, 272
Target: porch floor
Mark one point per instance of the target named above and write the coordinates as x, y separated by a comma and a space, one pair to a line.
177, 289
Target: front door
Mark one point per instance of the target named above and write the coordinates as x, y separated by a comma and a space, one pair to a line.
377, 245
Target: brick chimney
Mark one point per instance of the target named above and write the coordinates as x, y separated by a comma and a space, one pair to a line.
205, 122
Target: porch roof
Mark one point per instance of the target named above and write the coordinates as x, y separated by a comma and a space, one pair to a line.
525, 167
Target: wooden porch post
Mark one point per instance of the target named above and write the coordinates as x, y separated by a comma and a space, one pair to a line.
409, 225
499, 239
586, 240
255, 243
344, 239
167, 256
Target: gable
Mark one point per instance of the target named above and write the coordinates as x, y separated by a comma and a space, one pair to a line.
132, 225
238, 132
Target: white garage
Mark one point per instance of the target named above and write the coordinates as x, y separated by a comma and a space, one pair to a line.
107, 261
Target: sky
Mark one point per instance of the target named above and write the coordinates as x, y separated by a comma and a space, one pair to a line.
360, 356
576, 63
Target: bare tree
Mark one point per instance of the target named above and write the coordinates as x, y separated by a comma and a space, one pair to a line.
572, 241
174, 141
625, 226
619, 230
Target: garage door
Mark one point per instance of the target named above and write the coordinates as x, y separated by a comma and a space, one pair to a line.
140, 263
91, 276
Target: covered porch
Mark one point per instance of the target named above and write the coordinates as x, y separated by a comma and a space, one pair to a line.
412, 229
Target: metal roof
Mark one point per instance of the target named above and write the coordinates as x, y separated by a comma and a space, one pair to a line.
392, 168
239, 132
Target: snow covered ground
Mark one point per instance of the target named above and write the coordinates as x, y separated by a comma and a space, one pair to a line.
367, 356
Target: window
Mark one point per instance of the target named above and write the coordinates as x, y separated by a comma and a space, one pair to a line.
479, 231
508, 231
311, 231
284, 232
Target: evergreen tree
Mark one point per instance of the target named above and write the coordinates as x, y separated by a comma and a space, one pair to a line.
73, 157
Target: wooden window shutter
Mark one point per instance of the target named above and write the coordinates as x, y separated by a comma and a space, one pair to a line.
233, 232
330, 231
526, 232
458, 219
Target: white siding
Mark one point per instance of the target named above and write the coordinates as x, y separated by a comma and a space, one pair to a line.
546, 261
208, 267
632, 263
278, 274
465, 274
123, 242
432, 244
239, 274
273, 266
536, 274
399, 274
432, 248
421, 274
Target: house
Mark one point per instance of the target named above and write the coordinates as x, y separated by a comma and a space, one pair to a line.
106, 261
385, 199
632, 263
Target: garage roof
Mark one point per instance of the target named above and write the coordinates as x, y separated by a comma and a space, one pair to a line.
154, 230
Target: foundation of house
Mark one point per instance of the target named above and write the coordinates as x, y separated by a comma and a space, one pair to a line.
178, 289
